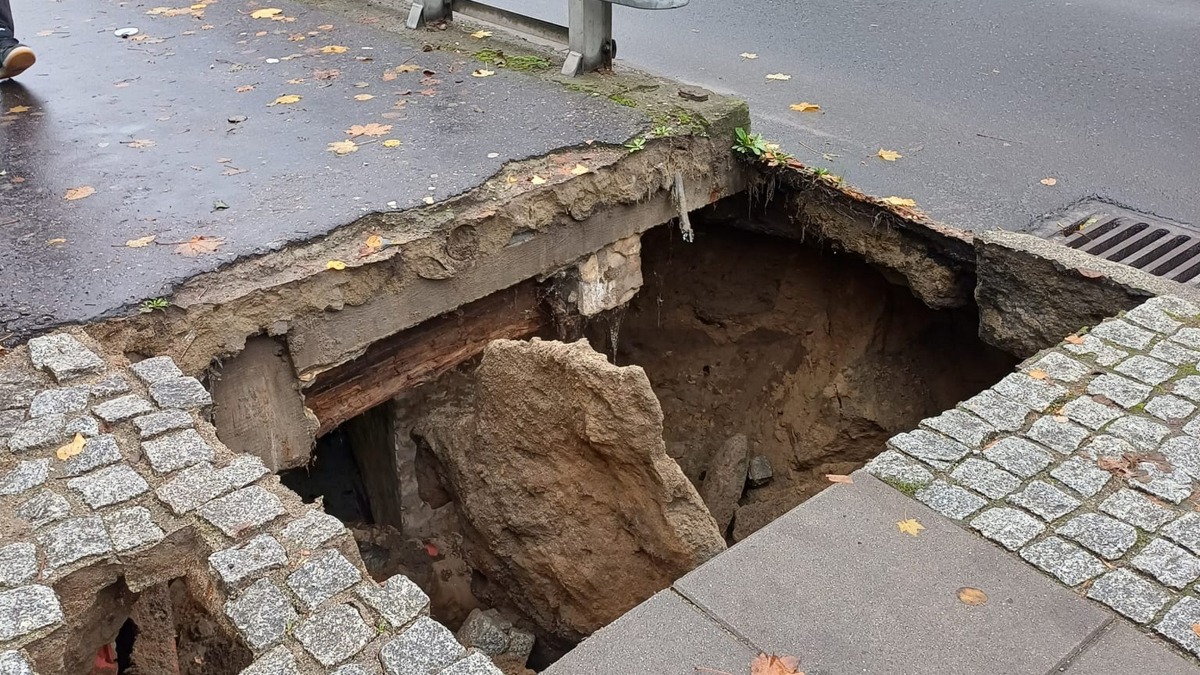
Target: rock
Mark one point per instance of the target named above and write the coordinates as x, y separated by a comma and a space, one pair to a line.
725, 479
759, 473
564, 485
694, 93
485, 631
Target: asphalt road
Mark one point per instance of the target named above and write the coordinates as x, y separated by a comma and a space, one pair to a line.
983, 99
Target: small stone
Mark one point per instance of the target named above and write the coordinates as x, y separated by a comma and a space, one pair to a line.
694, 93
1140, 431
156, 369
1137, 510
26, 609
244, 510
334, 634
985, 478
1145, 369
1090, 413
97, 452
1172, 352
1059, 367
476, 663
58, 401
1066, 561
1152, 317
961, 426
1169, 408
176, 451
1061, 436
18, 564
485, 631
1009, 527
180, 392
64, 356
162, 422
1120, 390
193, 487
1108, 447
1177, 624
278, 661
238, 563
43, 508
131, 528
1104, 353
1035, 393
312, 529
1108, 537
399, 600
27, 474
759, 471
1129, 594
322, 577
109, 386
1168, 563
1173, 486
950, 500
13, 663
1000, 412
122, 408
928, 446
1044, 500
83, 424
243, 470
1124, 334
894, 468
74, 540
1188, 387
38, 433
1081, 476
112, 485
262, 613
426, 647
1019, 456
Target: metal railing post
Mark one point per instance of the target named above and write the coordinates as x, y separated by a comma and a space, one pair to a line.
424, 11
591, 44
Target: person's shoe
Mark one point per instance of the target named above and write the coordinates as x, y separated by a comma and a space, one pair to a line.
16, 60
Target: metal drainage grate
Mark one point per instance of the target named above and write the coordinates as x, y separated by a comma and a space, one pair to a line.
1157, 246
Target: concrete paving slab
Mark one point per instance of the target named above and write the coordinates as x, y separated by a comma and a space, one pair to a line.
664, 635
181, 132
1123, 649
835, 583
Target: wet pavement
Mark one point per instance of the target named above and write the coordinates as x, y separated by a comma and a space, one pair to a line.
213, 123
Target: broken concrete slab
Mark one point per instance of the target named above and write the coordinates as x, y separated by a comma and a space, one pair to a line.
1122, 649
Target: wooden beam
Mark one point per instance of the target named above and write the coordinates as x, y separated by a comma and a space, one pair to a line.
419, 354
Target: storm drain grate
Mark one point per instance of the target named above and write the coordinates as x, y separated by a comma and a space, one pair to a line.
1152, 244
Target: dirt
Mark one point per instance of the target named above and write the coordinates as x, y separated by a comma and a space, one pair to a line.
204, 646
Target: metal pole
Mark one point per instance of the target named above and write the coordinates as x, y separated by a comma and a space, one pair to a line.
424, 11
590, 39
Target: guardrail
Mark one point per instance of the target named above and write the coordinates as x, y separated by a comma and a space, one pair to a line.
588, 36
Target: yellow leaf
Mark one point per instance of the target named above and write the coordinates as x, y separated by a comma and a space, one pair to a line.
971, 596
391, 143
363, 97
334, 49
71, 449
199, 245
778, 76
79, 192
54, 242
343, 147
407, 68
265, 13
374, 242
1038, 374
1196, 629
838, 478
372, 129
898, 201
389, 76
1074, 339
537, 180
140, 143
480, 34
772, 664
910, 526
286, 99
335, 265
16, 109
1049, 181
482, 73
888, 155
748, 55
139, 243
805, 106
579, 170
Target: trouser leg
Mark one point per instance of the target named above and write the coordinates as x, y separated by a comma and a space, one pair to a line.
6, 24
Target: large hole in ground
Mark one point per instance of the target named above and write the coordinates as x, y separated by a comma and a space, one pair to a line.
775, 363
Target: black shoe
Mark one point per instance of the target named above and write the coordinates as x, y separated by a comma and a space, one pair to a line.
15, 60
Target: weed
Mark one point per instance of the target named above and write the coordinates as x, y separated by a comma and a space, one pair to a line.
622, 99
749, 144
820, 171
660, 131
636, 145
524, 63
153, 304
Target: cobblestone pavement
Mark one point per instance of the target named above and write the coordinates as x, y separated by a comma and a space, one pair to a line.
1084, 463
109, 471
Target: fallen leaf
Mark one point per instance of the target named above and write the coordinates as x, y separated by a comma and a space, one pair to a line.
140, 143
579, 170
244, 88
805, 106
1061, 419
55, 242
71, 449
139, 243
265, 13
391, 143
1038, 374
888, 155
1090, 273
482, 73
748, 55
537, 180
428, 92
389, 76
334, 49
407, 68
343, 147
363, 97
1049, 181
778, 76
1196, 629
480, 34
17, 109
372, 129
232, 171
286, 99
79, 192
335, 265
972, 596
770, 664
898, 201
199, 245
328, 74
327, 26
1074, 339
296, 37
838, 478
296, 80
374, 242
910, 526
